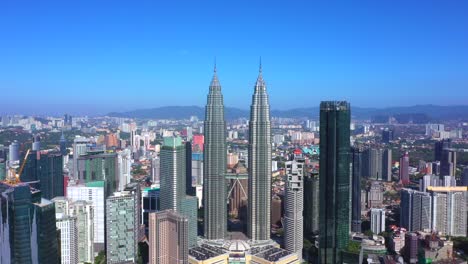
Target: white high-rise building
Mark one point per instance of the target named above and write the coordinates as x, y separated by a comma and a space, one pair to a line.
83, 211
294, 207
124, 160
449, 210
68, 239
377, 220
428, 180
92, 192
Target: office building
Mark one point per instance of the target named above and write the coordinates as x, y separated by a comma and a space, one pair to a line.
80, 146
14, 154
155, 170
375, 195
439, 148
27, 233
124, 164
68, 238
63, 145
173, 189
36, 145
428, 180
172, 173
377, 164
168, 238
188, 208
189, 189
387, 165
150, 203
411, 248
448, 162
259, 164
415, 214
122, 227
83, 211
99, 166
464, 177
92, 192
334, 180
214, 163
404, 169
293, 208
377, 220
44, 171
311, 204
356, 161
387, 135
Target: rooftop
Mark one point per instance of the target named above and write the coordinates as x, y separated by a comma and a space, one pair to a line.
205, 252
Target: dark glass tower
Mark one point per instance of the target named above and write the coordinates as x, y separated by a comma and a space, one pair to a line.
214, 166
356, 160
27, 221
259, 164
335, 177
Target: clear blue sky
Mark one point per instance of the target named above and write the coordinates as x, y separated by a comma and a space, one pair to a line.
100, 56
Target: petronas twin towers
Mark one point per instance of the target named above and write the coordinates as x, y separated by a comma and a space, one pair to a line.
259, 164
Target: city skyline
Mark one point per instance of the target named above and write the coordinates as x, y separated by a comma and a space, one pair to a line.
95, 58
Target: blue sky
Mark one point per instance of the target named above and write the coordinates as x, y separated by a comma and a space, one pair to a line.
100, 56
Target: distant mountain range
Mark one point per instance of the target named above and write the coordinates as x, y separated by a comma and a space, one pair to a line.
417, 113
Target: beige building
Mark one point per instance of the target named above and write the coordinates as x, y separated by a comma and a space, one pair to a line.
168, 238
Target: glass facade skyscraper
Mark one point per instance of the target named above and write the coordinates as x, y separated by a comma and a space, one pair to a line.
259, 163
27, 222
214, 166
334, 217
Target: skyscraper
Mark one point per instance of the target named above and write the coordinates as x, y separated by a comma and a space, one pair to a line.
356, 159
172, 173
377, 220
334, 216
63, 145
27, 222
415, 214
92, 192
84, 213
122, 227
448, 162
311, 204
173, 191
168, 238
294, 206
214, 163
439, 147
45, 169
404, 169
259, 163
99, 166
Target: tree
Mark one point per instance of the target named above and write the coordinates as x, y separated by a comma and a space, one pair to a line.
368, 233
100, 258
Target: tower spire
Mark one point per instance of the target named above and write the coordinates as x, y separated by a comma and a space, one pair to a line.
215, 64
260, 66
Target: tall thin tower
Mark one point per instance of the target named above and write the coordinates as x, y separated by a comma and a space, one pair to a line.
334, 180
259, 163
214, 166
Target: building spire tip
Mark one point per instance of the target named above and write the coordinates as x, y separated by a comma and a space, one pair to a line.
215, 64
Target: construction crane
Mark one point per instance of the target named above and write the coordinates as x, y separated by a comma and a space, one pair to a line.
14, 177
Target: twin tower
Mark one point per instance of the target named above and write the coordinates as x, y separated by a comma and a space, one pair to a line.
259, 164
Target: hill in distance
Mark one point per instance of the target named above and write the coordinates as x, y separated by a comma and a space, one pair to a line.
417, 113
